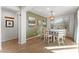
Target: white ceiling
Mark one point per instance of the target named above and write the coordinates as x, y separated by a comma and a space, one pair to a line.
58, 10
44, 11
11, 8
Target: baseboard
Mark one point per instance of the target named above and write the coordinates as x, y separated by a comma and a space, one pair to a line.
10, 39
70, 38
0, 46
23, 42
33, 37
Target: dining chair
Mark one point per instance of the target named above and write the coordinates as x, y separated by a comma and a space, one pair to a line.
61, 37
42, 33
47, 36
55, 35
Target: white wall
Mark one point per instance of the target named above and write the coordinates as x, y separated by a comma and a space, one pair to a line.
22, 25
69, 19
77, 39
0, 28
65, 20
8, 33
72, 25
19, 29
19, 26
11, 33
75, 28
23, 22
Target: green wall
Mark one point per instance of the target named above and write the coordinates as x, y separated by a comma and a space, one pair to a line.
36, 29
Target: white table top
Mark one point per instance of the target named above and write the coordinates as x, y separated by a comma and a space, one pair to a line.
57, 30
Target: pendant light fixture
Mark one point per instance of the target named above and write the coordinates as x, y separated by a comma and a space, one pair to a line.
51, 17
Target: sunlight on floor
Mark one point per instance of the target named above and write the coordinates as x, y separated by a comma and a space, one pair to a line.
58, 47
63, 49
66, 51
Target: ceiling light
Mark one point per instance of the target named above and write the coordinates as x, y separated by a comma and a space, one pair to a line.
52, 16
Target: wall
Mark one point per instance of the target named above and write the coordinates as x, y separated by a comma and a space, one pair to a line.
69, 19
72, 25
68, 22
19, 26
75, 26
0, 28
23, 21
35, 29
58, 23
77, 36
8, 33
22, 25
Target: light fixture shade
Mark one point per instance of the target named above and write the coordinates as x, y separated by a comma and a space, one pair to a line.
51, 17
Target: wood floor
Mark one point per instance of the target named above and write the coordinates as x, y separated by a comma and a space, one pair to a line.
35, 45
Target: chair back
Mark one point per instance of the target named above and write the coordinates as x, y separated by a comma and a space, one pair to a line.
62, 33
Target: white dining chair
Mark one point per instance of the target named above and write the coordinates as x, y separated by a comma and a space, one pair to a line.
55, 35
61, 37
47, 37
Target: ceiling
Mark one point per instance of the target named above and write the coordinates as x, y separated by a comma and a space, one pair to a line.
58, 10
11, 8
45, 10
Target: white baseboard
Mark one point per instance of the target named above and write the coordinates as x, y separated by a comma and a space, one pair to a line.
23, 42
8, 39
58, 47
0, 46
33, 37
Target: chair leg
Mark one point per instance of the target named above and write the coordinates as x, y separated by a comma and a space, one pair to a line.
44, 38
62, 40
53, 38
48, 39
58, 39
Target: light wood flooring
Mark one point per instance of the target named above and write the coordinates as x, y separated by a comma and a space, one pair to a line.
35, 45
